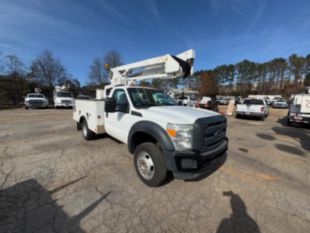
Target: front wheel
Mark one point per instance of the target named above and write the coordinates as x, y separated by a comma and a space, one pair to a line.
150, 164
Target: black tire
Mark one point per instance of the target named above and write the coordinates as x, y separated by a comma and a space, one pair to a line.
288, 122
288, 119
26, 108
157, 157
262, 118
237, 116
78, 126
86, 132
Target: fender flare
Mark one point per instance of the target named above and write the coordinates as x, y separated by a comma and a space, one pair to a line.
154, 130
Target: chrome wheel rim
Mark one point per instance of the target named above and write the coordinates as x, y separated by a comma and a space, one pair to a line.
145, 165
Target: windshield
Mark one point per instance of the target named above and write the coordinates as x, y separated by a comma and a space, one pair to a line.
35, 96
64, 94
142, 97
253, 102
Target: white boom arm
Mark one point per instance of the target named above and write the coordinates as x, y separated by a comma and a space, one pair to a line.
163, 67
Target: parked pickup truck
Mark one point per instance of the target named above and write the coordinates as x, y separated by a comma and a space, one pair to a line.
253, 107
209, 103
36, 100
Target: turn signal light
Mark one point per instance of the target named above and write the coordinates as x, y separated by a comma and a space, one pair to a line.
172, 132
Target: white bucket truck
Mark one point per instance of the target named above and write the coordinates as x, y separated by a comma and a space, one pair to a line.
163, 136
63, 97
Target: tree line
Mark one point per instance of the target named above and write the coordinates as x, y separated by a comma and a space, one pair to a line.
278, 76
46, 71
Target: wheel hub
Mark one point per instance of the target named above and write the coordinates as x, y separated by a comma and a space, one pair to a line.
145, 165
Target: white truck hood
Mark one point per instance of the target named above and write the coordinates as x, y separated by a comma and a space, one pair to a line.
175, 114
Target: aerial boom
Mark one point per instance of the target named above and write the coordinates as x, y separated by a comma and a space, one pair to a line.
163, 67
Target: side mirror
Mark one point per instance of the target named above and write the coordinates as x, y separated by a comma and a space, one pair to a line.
109, 105
122, 107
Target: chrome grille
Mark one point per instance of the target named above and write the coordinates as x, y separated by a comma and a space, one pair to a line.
36, 102
66, 101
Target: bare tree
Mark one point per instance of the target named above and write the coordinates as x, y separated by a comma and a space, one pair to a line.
112, 59
15, 70
48, 71
97, 73
100, 68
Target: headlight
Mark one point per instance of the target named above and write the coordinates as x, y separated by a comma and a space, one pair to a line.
181, 136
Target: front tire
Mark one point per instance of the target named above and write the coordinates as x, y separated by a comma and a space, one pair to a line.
86, 132
150, 164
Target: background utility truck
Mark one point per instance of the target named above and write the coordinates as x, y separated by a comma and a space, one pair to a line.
163, 136
63, 97
299, 109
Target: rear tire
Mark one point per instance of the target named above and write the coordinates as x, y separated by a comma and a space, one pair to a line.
288, 122
26, 108
288, 119
150, 164
86, 132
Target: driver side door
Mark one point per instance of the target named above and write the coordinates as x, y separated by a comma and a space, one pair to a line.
118, 123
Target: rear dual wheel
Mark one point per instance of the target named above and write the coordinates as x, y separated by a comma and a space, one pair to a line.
86, 132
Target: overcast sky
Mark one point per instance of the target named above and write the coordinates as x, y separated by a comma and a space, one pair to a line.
221, 31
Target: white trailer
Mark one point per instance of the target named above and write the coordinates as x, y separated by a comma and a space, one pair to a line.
162, 135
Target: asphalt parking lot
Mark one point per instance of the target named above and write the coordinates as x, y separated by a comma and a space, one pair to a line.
52, 180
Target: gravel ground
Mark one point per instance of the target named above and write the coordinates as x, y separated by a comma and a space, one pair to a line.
52, 180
